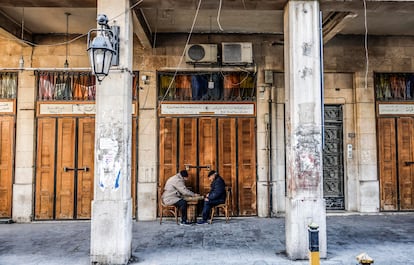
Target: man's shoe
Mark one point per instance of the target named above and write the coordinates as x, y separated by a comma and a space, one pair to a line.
185, 223
201, 222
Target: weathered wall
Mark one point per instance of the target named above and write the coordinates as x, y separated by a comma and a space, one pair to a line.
342, 55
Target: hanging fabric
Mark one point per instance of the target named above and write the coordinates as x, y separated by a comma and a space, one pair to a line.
60, 87
91, 87
247, 87
199, 85
231, 86
77, 89
167, 87
183, 86
68, 87
214, 92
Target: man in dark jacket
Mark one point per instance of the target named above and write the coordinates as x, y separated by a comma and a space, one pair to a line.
216, 196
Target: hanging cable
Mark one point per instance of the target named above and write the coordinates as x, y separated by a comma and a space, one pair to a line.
21, 60
183, 54
218, 15
366, 45
72, 40
66, 64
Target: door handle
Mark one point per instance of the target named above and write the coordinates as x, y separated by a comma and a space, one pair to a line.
187, 166
408, 163
86, 169
66, 169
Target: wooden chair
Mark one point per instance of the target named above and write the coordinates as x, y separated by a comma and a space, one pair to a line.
226, 206
169, 208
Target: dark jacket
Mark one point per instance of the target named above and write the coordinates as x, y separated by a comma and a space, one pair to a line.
217, 194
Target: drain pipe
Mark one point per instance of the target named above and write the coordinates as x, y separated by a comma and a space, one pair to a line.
267, 120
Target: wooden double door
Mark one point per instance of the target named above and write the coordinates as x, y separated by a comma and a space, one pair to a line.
227, 145
396, 163
6, 164
64, 168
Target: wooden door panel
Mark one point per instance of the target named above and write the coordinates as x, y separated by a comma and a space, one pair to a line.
225, 144
207, 151
188, 149
168, 149
86, 154
247, 166
227, 154
387, 164
65, 179
6, 164
405, 157
45, 167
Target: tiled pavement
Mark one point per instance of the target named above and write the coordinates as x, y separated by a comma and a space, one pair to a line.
387, 238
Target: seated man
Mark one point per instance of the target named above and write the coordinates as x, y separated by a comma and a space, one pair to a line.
216, 196
174, 190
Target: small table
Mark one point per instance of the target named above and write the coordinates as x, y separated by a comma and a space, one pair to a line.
192, 202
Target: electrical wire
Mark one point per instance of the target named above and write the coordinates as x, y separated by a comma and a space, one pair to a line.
366, 45
72, 40
218, 15
183, 54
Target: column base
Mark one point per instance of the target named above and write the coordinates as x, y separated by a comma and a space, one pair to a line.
111, 232
299, 214
22, 203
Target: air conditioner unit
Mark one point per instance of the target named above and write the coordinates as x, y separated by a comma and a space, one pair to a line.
201, 53
237, 53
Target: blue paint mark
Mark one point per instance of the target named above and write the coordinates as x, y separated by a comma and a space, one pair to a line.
117, 179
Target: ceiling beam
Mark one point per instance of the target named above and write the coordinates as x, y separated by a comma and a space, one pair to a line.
333, 23
48, 3
214, 5
14, 29
141, 29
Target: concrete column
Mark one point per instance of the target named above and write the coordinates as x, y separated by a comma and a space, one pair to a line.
278, 144
304, 202
111, 224
147, 148
366, 146
263, 148
25, 135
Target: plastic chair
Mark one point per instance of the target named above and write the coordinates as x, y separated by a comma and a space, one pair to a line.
226, 206
169, 208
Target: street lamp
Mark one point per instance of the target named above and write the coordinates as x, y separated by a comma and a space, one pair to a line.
104, 48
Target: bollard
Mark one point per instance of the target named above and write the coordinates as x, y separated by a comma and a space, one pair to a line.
313, 244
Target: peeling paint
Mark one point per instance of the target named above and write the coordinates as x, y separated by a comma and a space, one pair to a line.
307, 49
307, 148
306, 71
109, 155
308, 157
